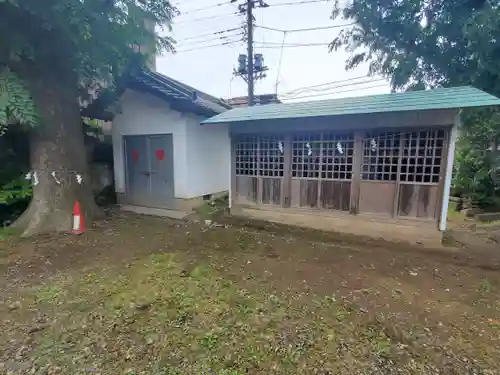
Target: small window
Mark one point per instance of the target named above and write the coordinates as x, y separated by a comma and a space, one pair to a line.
260, 156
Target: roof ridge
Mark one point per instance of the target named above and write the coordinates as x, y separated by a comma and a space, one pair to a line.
188, 90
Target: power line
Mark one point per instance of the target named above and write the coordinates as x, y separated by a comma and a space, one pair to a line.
206, 18
336, 83
279, 63
212, 33
307, 91
230, 42
216, 38
279, 44
184, 2
290, 45
307, 29
204, 8
298, 3
336, 92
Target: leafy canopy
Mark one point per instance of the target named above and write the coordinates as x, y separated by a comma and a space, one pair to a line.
430, 43
79, 42
421, 43
16, 105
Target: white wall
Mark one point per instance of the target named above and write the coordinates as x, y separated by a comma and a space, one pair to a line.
201, 152
145, 114
209, 155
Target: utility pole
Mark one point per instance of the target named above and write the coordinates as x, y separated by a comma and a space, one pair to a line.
250, 66
250, 51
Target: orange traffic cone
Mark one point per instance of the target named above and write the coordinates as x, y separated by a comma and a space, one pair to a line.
78, 221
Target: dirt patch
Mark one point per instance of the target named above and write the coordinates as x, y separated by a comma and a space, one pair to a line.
341, 304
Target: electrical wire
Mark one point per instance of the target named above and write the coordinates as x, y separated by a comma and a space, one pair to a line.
190, 11
298, 3
328, 91
215, 38
336, 92
205, 18
328, 86
307, 29
278, 45
212, 33
279, 62
184, 2
331, 82
231, 42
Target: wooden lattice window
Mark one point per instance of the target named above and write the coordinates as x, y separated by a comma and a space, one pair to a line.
380, 156
322, 155
259, 156
422, 155
246, 155
271, 158
306, 155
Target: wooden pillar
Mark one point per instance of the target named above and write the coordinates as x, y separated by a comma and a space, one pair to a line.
232, 170
397, 191
259, 169
357, 161
287, 171
320, 166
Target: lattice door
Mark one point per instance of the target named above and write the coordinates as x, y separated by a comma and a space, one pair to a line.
423, 153
259, 168
322, 170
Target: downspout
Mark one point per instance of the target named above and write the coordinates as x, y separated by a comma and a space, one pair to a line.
449, 173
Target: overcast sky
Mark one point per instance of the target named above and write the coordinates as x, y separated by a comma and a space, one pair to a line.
208, 66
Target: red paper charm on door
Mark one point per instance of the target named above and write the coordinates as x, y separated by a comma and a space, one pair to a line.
135, 156
160, 154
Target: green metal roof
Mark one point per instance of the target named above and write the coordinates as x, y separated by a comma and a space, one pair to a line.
441, 98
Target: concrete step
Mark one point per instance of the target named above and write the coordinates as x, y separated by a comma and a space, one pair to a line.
155, 211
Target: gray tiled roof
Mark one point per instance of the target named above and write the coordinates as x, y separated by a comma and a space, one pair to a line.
180, 91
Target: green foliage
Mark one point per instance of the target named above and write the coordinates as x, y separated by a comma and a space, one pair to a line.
5, 233
15, 190
16, 104
473, 176
424, 43
70, 49
86, 43
421, 44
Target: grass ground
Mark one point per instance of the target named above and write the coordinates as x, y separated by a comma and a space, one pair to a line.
6, 233
141, 295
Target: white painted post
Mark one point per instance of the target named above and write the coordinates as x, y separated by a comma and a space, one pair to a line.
449, 172
230, 191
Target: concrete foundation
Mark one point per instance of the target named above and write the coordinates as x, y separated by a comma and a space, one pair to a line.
183, 206
411, 231
155, 211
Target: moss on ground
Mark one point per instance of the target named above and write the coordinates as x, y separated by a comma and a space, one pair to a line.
155, 317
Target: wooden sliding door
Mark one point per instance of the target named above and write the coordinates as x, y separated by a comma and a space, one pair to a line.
321, 170
258, 169
401, 172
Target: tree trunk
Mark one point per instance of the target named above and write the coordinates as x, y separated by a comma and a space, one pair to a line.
56, 146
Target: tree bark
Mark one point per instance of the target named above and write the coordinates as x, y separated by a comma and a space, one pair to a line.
56, 146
